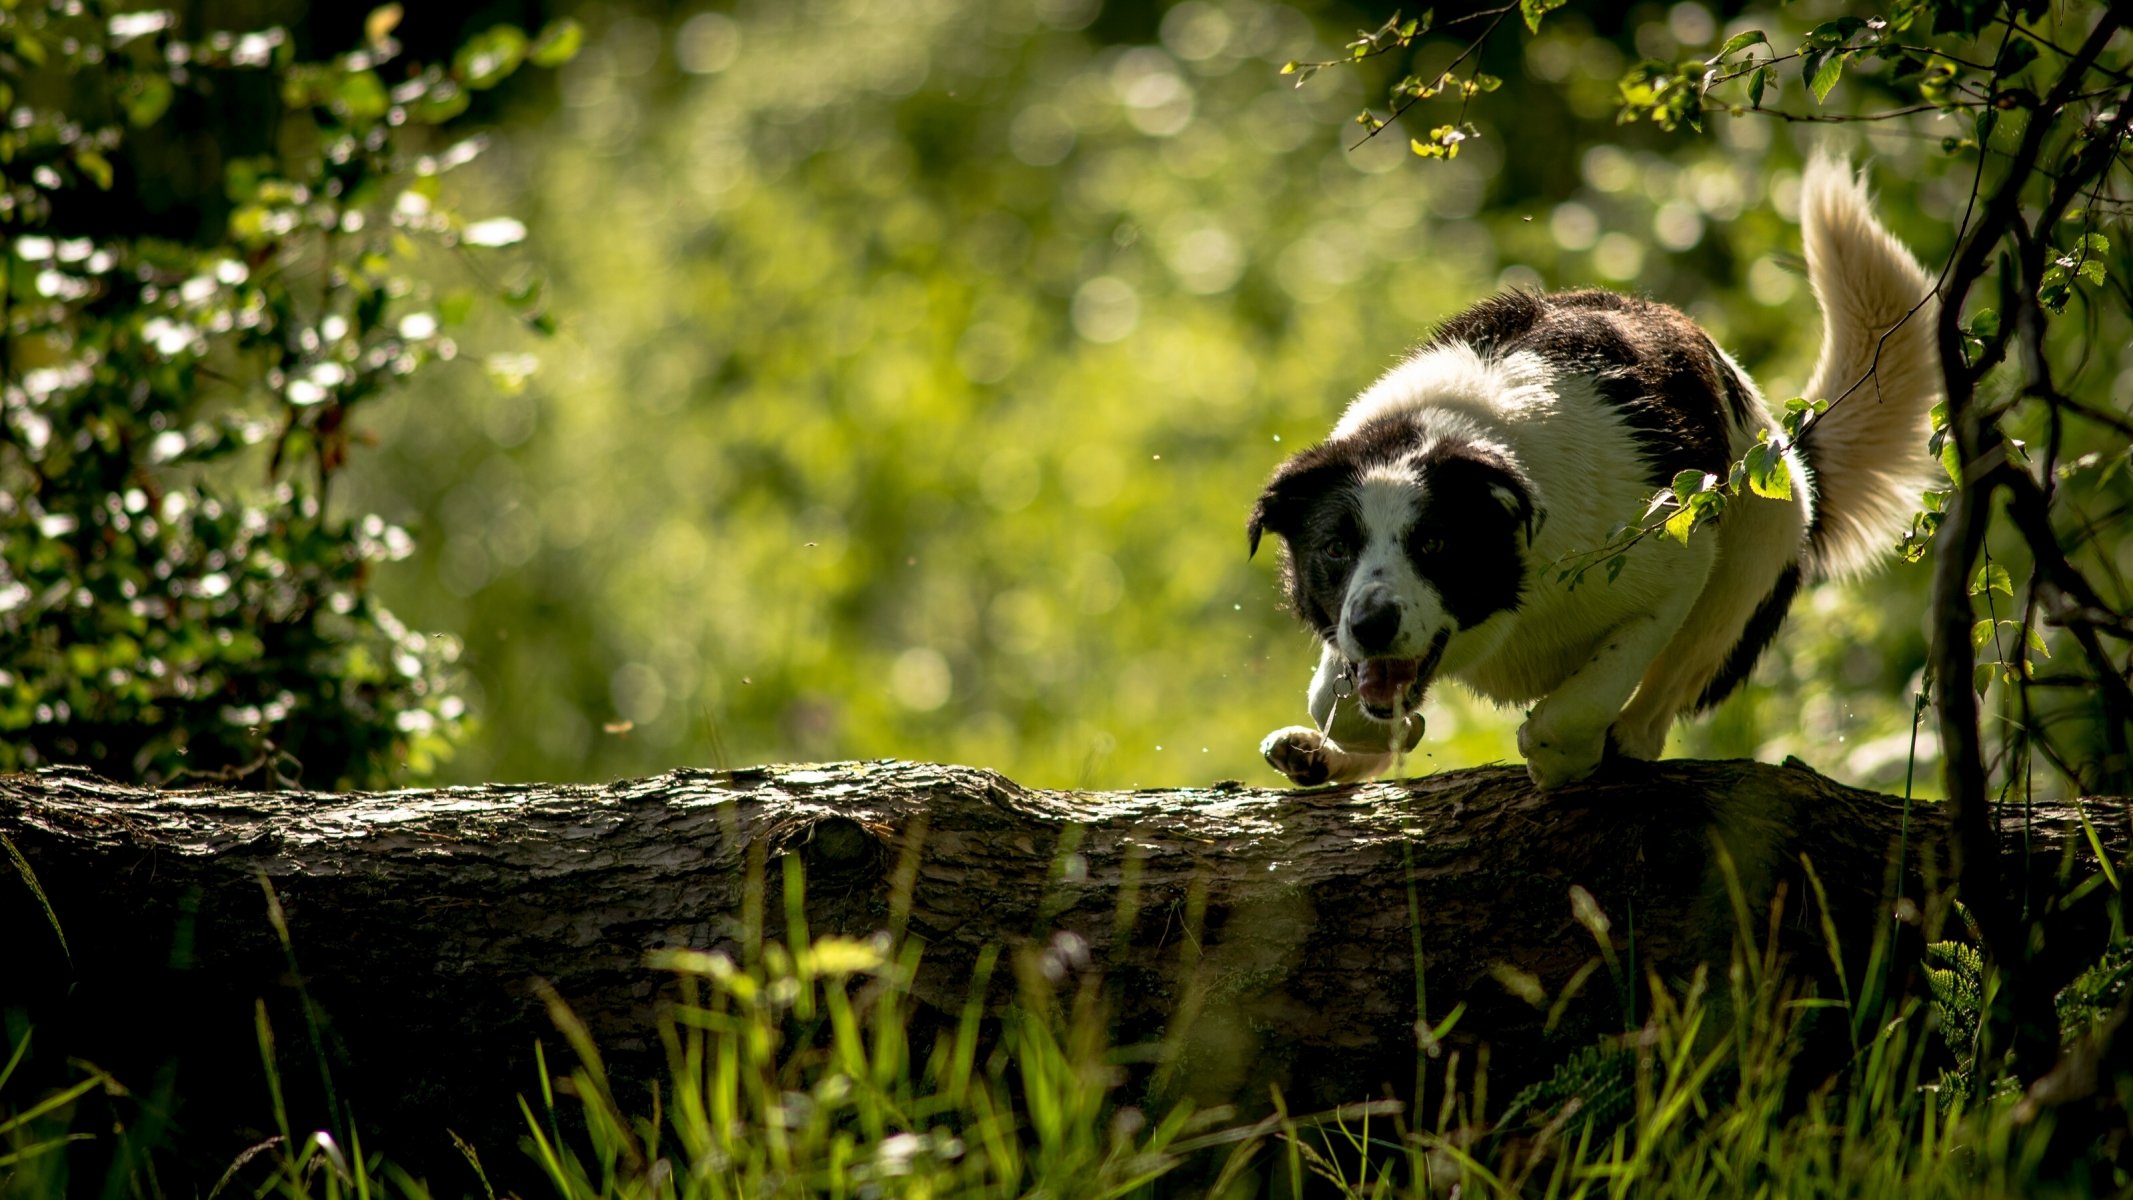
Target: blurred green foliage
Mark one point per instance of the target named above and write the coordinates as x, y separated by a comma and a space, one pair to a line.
177, 597
918, 363
915, 364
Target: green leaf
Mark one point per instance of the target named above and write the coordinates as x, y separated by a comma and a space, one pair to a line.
1756, 83
487, 59
1798, 411
1767, 473
95, 166
526, 295
1679, 525
1741, 41
2035, 639
361, 99
1980, 634
1534, 10
1823, 73
557, 44
1905, 13
440, 102
1834, 33
381, 22
2054, 291
2091, 271
2018, 53
455, 306
1991, 577
146, 98
1686, 484
1951, 460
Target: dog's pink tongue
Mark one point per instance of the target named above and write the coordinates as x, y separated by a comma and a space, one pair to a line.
1382, 681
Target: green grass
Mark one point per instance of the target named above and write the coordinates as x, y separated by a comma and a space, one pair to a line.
800, 1070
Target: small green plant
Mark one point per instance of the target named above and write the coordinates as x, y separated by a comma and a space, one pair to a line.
797, 1069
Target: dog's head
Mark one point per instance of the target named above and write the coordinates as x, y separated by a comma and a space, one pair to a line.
1398, 543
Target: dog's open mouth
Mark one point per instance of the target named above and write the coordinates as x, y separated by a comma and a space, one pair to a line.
1388, 687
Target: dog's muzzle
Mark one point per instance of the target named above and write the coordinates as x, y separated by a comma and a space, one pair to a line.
1387, 687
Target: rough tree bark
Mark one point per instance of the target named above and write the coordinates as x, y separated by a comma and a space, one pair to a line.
1282, 925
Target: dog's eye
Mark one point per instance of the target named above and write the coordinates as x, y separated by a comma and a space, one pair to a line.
1336, 552
1430, 546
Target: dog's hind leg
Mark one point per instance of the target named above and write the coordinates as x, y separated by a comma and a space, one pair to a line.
1346, 746
1734, 618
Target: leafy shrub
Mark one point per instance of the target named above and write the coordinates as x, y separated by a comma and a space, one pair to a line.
178, 598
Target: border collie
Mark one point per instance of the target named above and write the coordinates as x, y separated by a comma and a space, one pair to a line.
1425, 537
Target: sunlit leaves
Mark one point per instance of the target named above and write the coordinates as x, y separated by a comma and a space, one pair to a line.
557, 43
1823, 55
1991, 577
2085, 262
146, 98
1822, 71
1927, 521
1978, 332
359, 98
1444, 140
1697, 497
488, 58
1669, 95
381, 22
1796, 415
1737, 43
1534, 10
1936, 81
1766, 472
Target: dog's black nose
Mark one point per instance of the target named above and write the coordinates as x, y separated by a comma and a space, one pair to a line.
1375, 626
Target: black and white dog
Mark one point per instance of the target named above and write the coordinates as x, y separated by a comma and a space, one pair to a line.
1425, 537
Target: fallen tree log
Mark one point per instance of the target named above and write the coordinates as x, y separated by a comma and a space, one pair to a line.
1282, 937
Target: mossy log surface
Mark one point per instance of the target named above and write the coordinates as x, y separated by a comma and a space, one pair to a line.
1262, 936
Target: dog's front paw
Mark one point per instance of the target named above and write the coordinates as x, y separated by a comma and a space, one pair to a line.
1557, 753
1298, 752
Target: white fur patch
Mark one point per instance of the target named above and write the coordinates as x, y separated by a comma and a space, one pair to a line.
1387, 501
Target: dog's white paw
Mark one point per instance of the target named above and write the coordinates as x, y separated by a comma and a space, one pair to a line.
1300, 753
1559, 753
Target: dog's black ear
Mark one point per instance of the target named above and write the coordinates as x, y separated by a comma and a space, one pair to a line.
1517, 499
1290, 495
1482, 470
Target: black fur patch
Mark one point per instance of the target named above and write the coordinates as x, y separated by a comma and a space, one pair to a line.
1754, 639
1465, 540
1647, 359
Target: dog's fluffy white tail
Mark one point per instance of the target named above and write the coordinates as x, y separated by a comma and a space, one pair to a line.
1880, 370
